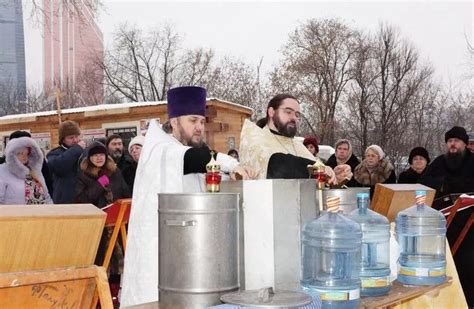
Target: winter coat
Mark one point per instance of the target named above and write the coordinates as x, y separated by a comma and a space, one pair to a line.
445, 180
44, 171
89, 190
63, 167
13, 173
129, 173
352, 162
410, 176
383, 173
124, 162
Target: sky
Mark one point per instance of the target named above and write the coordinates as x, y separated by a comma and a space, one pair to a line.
250, 30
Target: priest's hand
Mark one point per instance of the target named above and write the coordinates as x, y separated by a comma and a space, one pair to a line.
242, 172
343, 172
331, 176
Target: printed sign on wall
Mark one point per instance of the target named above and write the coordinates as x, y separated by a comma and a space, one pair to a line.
43, 140
91, 135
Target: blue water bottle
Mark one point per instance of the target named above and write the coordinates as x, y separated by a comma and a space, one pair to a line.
331, 255
375, 252
421, 234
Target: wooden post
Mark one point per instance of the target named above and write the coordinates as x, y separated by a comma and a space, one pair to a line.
58, 104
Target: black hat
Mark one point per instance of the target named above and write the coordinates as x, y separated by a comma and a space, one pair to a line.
17, 134
95, 148
457, 132
419, 151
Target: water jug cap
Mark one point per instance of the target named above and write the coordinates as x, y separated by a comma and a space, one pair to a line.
420, 197
363, 195
420, 192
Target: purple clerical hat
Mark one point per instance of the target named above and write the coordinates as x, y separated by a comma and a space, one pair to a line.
189, 100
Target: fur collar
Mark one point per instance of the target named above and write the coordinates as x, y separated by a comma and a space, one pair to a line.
379, 175
89, 169
35, 159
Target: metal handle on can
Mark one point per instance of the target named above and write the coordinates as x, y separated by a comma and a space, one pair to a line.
182, 223
265, 295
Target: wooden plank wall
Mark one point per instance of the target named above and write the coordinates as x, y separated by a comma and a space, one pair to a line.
227, 118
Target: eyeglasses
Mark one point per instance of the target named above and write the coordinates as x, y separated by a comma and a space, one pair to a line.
289, 111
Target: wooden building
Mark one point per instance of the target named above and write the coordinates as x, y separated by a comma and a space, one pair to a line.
224, 122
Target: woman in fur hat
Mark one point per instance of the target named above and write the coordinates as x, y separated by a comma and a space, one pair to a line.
21, 181
375, 168
99, 180
418, 160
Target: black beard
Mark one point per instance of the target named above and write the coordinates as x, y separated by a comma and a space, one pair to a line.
454, 160
284, 129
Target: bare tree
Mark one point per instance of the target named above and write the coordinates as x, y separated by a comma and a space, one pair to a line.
142, 67
391, 95
84, 10
89, 84
11, 99
37, 101
317, 58
196, 67
361, 96
401, 78
235, 81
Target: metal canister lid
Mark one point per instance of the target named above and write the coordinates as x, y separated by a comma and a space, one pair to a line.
267, 298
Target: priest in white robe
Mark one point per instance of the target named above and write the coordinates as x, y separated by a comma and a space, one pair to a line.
169, 163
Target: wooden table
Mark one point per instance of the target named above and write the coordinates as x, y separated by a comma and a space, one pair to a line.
400, 293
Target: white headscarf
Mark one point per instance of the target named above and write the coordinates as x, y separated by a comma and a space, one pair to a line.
377, 149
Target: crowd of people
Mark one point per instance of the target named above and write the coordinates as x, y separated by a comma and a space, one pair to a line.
448, 173
71, 173
175, 161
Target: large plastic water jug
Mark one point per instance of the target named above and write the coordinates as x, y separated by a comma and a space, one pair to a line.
421, 233
375, 252
331, 255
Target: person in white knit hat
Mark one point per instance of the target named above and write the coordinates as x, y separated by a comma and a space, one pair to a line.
134, 149
375, 168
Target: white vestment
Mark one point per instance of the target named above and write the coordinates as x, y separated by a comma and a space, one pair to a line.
160, 170
257, 145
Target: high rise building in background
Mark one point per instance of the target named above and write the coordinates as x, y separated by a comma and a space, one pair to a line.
12, 51
73, 44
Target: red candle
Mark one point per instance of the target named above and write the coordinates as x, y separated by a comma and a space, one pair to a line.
213, 181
